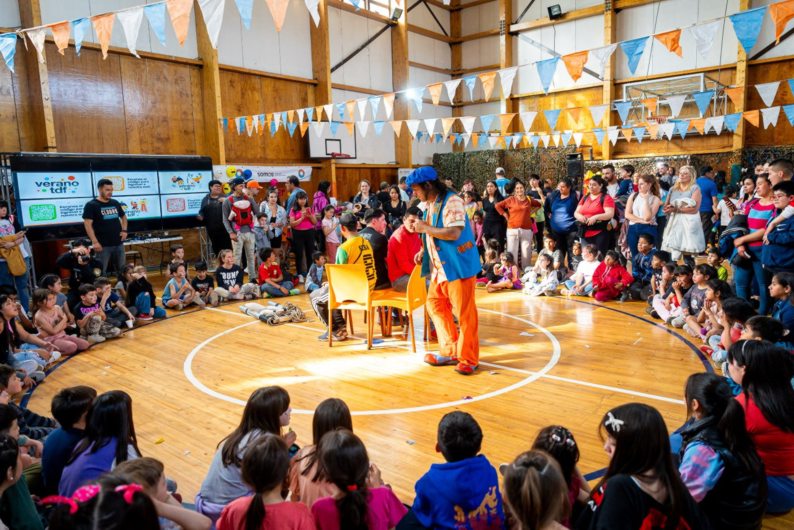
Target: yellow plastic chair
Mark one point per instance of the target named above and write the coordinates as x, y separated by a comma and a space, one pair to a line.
348, 290
414, 297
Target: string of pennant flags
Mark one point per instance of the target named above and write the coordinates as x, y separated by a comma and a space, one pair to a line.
666, 126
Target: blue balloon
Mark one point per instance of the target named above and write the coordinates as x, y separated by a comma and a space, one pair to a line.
247, 174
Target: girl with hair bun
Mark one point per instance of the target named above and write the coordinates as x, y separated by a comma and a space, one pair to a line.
535, 492
560, 443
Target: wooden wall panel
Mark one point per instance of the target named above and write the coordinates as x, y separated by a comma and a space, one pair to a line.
244, 94
783, 134
9, 128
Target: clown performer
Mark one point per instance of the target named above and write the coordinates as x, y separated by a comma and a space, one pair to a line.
450, 257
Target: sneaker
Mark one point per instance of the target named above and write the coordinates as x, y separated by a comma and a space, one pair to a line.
708, 350
719, 356
651, 311
724, 368
54, 356
214, 299
465, 369
293, 292
301, 279
145, 317
625, 296
439, 360
37, 376
96, 338
323, 337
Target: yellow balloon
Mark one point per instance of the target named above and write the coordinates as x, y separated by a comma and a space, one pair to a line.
231, 172
226, 188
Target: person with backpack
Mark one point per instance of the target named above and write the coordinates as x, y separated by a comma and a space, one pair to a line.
239, 220
594, 212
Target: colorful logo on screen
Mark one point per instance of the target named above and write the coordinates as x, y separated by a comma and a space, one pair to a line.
186, 182
58, 185
175, 205
135, 207
117, 180
42, 212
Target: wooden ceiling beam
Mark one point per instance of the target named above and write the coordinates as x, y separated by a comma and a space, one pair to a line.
576, 14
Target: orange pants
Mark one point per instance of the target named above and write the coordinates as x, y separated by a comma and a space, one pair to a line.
444, 300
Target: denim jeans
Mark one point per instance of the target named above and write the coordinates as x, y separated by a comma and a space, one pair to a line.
745, 278
587, 289
634, 233
20, 283
111, 256
144, 304
275, 291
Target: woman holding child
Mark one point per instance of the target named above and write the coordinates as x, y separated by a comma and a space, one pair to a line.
683, 234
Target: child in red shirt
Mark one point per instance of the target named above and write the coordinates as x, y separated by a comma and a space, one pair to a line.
610, 278
271, 279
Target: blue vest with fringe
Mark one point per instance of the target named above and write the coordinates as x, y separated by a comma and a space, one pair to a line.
459, 258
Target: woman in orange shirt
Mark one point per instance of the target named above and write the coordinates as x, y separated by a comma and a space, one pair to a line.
518, 209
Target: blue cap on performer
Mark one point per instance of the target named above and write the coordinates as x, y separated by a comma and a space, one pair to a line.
421, 174
236, 182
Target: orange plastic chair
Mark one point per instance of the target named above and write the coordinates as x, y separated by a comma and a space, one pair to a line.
348, 290
414, 297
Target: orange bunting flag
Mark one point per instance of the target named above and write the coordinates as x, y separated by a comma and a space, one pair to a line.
446, 124
435, 92
487, 80
752, 116
475, 140
574, 113
60, 34
304, 128
781, 13
504, 120
698, 124
318, 113
670, 40
388, 104
397, 125
653, 130
291, 115
500, 143
103, 25
278, 9
351, 110
735, 94
627, 134
574, 63
179, 11
651, 104
350, 126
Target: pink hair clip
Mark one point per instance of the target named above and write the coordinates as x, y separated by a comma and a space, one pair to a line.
57, 499
129, 490
85, 493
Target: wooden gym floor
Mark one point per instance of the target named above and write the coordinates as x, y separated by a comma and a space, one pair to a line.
544, 361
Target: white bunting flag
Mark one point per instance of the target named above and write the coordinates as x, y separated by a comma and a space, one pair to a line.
598, 58
612, 134
301, 114
492, 141
362, 109
130, 21
506, 76
527, 118
556, 138
704, 35
666, 130
770, 116
577, 137
452, 88
212, 11
250, 125
37, 37
318, 127
277, 119
329, 111
312, 5
466, 139
676, 102
545, 139
714, 122
468, 123
430, 124
363, 128
597, 112
768, 91
413, 126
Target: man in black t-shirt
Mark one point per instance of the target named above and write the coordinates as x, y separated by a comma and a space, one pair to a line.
375, 234
106, 226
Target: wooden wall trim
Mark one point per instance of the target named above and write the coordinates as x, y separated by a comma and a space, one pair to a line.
340, 165
441, 5
38, 82
358, 89
740, 80
608, 90
576, 14
705, 69
211, 94
413, 28
414, 64
475, 36
769, 60
260, 73
456, 61
472, 4
401, 79
366, 13
483, 68
124, 51
556, 91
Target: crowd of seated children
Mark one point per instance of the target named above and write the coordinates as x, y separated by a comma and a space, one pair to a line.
271, 278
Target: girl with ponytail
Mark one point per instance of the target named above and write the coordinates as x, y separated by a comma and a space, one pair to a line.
535, 492
264, 469
363, 501
719, 464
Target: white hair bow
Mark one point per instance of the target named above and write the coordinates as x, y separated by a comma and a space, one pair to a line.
613, 422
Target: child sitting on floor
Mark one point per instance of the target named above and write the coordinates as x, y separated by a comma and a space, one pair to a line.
714, 259
669, 307
542, 278
229, 278
550, 249
52, 322
314, 278
575, 258
581, 283
91, 317
642, 270
31, 424
178, 292
692, 302
177, 254
271, 279
52, 283
488, 273
470, 483
610, 278
204, 285
141, 295
125, 277
116, 312
709, 321
27, 352
735, 313
508, 275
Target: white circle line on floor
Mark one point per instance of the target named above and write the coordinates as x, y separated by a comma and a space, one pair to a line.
555, 357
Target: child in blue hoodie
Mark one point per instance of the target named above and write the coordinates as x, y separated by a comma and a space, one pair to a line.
462, 493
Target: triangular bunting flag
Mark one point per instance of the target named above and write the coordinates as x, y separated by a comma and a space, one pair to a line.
485, 122
487, 80
699, 124
249, 125
312, 6
446, 124
60, 34
278, 9
475, 140
735, 94
703, 100
179, 11
770, 116
789, 111
452, 88
612, 134
378, 126
597, 113
430, 124
333, 126
80, 27
768, 91
675, 103
681, 127
291, 126
397, 125
556, 137
291, 115
329, 112
468, 123
506, 77
413, 126
551, 117
341, 110
310, 114
577, 138
212, 11
650, 104
704, 35
388, 105
37, 37
527, 118
504, 121
599, 57
130, 21
350, 106
715, 122
732, 121
470, 81
8, 48
304, 126
639, 133
492, 141
545, 138
318, 127
350, 126
362, 108
781, 13
534, 140
752, 116
155, 14
546, 69
574, 113
670, 40
599, 135
666, 130
574, 63
103, 26
747, 25
435, 92
633, 49
623, 108
415, 95
627, 133
653, 130
246, 9
566, 137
